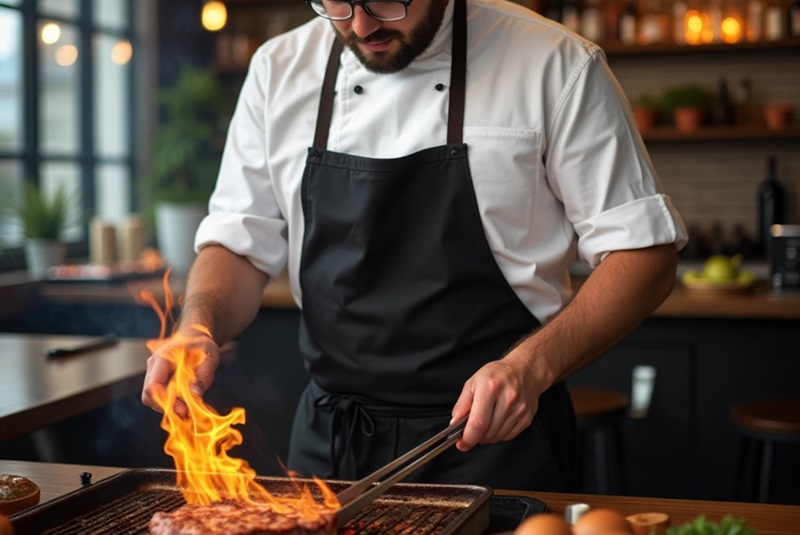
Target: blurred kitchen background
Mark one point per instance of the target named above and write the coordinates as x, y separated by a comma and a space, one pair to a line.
79, 82
124, 105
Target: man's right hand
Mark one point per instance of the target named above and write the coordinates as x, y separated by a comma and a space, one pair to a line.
161, 368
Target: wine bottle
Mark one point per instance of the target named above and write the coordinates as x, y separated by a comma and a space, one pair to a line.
770, 204
722, 110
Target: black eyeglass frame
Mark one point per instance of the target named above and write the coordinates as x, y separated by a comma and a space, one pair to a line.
364, 5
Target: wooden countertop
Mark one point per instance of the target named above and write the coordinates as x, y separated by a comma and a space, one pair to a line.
765, 519
37, 391
758, 302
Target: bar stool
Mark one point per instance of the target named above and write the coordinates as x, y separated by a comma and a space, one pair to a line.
762, 424
599, 415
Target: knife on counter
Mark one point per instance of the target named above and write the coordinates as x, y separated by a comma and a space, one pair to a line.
95, 343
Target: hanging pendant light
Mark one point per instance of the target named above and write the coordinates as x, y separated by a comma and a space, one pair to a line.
214, 15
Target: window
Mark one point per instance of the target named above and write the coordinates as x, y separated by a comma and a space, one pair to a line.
66, 108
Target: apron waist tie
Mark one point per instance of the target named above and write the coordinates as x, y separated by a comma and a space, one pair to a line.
349, 417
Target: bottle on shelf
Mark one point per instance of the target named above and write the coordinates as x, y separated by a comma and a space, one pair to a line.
732, 24
612, 12
743, 100
754, 20
653, 23
770, 204
679, 9
591, 21
629, 24
774, 21
715, 14
793, 17
722, 110
571, 15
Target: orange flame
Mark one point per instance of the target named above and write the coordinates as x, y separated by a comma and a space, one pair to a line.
199, 444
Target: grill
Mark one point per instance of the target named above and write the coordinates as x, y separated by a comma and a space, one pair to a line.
124, 503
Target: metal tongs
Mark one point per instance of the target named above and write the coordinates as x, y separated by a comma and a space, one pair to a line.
362, 492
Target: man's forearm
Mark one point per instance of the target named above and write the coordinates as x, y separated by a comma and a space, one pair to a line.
624, 289
223, 293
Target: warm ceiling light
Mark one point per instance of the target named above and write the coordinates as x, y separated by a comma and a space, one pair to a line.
214, 15
67, 55
51, 33
121, 52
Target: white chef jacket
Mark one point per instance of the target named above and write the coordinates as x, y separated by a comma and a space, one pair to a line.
557, 165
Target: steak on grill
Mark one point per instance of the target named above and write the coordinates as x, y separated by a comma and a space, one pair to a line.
236, 518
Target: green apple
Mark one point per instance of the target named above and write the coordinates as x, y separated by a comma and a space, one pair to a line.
719, 267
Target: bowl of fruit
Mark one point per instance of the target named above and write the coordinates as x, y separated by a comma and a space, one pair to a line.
719, 273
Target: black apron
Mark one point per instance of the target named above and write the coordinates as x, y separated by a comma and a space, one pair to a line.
402, 302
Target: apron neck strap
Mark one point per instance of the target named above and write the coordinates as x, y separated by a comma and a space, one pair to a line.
458, 73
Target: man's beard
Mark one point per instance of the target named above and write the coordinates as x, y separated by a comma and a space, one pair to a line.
418, 41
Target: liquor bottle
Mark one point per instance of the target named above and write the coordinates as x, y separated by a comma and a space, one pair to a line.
653, 23
794, 19
770, 204
592, 21
774, 21
722, 110
754, 20
611, 14
571, 15
742, 97
715, 14
732, 25
679, 22
629, 24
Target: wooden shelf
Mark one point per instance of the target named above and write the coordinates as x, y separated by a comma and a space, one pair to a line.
618, 49
721, 133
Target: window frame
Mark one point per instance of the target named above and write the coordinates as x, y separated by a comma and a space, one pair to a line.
30, 156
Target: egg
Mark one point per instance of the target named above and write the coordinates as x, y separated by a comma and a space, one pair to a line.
601, 521
543, 524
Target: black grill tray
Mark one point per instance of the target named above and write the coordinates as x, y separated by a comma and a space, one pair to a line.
125, 502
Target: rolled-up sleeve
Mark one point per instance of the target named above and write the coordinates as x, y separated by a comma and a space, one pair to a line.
244, 215
598, 166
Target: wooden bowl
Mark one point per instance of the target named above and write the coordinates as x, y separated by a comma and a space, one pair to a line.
17, 493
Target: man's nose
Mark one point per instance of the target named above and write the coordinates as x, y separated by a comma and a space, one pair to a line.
362, 24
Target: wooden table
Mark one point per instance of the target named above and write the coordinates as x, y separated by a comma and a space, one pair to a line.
36, 391
765, 519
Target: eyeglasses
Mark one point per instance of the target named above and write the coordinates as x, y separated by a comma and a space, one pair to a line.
383, 10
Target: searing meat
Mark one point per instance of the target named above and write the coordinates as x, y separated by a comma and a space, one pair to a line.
237, 518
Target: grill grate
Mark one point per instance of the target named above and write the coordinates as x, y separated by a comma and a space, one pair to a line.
125, 503
123, 516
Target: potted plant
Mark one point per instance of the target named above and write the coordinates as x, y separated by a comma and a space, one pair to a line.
645, 112
688, 105
43, 219
186, 151
777, 115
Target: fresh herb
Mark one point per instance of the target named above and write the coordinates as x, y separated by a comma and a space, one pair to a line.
701, 526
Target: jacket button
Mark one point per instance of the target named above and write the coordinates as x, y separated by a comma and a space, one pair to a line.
358, 89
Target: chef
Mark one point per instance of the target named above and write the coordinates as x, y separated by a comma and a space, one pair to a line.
428, 170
